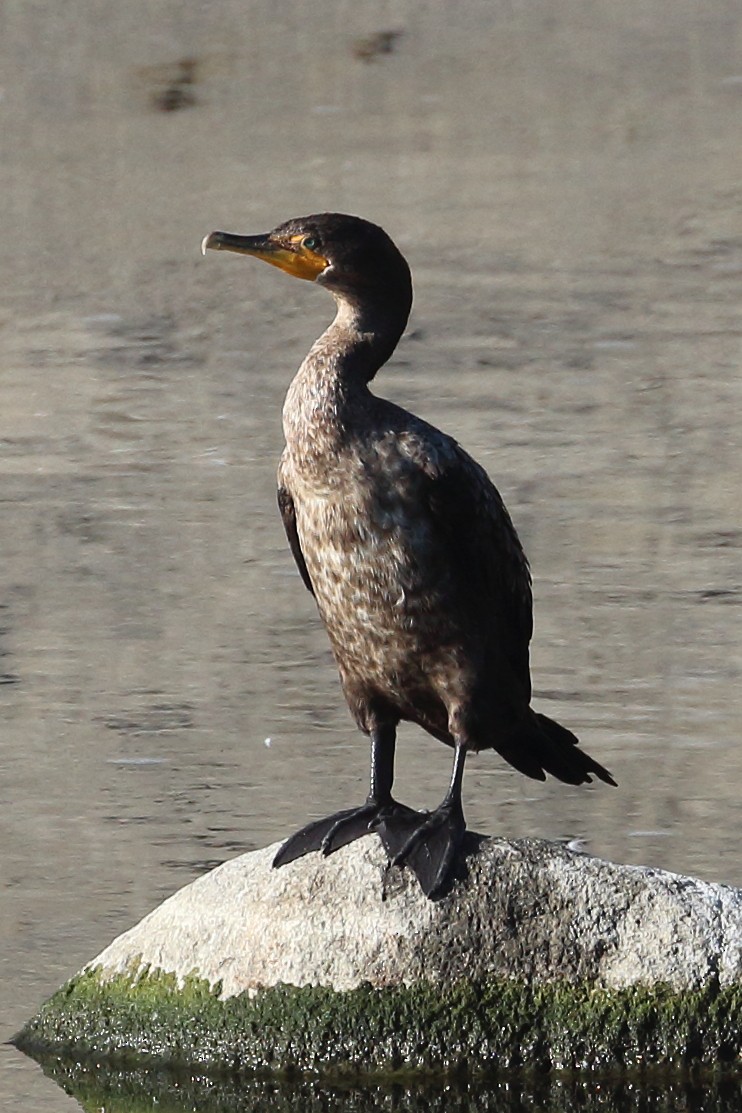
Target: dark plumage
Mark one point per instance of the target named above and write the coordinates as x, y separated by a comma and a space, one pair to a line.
412, 558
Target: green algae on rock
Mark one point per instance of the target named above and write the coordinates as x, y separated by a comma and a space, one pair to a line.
471, 1028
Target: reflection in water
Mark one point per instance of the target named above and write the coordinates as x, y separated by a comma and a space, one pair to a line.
139, 1091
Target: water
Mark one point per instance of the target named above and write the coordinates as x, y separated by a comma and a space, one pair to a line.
132, 1091
565, 184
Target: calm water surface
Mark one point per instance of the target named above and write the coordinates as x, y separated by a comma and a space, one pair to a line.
566, 187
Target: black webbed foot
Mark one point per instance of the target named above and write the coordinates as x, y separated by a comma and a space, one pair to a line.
428, 844
329, 834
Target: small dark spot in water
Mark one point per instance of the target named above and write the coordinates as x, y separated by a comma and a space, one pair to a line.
723, 539
371, 47
720, 595
173, 98
171, 85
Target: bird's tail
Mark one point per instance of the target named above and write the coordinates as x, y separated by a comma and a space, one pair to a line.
542, 746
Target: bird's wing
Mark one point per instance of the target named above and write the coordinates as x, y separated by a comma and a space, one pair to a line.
288, 513
483, 551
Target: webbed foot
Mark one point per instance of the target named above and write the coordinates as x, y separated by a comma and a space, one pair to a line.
329, 834
427, 844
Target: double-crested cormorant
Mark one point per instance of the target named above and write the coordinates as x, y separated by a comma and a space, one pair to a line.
412, 558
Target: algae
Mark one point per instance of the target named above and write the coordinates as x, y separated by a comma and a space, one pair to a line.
466, 1029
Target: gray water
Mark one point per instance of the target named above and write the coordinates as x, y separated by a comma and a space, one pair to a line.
565, 181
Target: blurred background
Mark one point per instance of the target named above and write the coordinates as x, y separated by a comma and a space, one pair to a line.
566, 181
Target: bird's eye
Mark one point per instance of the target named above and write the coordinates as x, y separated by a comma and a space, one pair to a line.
310, 242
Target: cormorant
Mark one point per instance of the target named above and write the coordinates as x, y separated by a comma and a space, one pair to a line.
416, 568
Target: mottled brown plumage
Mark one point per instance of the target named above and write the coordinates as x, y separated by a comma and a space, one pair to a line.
412, 558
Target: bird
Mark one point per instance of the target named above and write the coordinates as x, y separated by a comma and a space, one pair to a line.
415, 566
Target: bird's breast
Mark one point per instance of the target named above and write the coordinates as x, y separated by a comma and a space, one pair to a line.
371, 558
365, 559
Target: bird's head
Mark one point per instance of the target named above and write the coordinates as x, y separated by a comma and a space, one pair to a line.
349, 256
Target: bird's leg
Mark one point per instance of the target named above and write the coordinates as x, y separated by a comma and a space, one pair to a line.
430, 845
329, 834
381, 778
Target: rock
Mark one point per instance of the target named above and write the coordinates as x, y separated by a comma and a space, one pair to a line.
529, 910
537, 957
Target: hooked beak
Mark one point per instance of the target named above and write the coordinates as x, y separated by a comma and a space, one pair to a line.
290, 256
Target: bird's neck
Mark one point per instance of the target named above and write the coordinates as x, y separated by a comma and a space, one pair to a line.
329, 394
